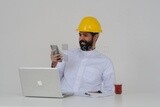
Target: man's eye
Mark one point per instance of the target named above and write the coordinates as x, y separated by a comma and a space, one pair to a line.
85, 35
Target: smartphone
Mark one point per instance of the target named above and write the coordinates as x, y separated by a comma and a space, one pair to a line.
54, 49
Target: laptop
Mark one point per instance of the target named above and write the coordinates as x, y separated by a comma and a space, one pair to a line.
41, 82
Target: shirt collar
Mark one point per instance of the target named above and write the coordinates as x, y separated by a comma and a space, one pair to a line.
87, 53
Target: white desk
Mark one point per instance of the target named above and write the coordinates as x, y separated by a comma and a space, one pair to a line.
124, 100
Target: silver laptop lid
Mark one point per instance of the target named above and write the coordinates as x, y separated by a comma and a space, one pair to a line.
40, 82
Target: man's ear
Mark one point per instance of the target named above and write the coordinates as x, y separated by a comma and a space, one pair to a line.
96, 37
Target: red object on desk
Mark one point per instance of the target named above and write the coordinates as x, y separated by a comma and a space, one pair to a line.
118, 88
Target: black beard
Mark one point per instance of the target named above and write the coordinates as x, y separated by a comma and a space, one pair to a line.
86, 45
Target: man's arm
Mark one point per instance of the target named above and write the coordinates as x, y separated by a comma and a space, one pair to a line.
108, 79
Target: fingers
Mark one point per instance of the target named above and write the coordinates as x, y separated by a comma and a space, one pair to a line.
56, 58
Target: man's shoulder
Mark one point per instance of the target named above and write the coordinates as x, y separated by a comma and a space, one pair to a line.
103, 56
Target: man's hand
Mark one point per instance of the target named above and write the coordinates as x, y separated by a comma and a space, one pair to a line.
55, 59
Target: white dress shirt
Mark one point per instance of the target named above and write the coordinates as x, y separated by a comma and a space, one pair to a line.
84, 71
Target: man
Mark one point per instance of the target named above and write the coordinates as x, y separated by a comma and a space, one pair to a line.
85, 69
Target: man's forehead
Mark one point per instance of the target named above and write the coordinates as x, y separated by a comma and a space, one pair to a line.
84, 32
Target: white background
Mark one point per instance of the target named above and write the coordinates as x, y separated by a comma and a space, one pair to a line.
130, 37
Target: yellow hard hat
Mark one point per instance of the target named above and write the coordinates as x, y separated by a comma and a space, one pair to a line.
89, 24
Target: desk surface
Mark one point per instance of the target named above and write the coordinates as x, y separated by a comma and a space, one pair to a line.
124, 100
